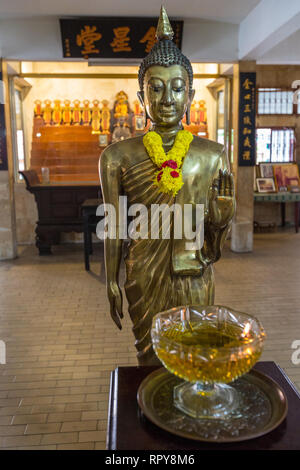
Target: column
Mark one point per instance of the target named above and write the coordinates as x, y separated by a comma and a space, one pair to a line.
8, 246
242, 226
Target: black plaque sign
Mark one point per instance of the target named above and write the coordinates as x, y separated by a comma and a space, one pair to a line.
3, 149
112, 38
247, 114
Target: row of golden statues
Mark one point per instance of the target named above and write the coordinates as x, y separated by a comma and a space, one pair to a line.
102, 118
75, 114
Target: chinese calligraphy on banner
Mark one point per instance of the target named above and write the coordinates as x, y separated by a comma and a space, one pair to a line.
109, 38
3, 150
247, 114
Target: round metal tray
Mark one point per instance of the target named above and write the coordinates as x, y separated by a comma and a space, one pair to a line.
263, 406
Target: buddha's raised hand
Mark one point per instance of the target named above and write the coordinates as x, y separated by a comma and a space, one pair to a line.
221, 200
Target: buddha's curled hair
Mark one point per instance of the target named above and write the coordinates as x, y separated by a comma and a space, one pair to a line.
165, 53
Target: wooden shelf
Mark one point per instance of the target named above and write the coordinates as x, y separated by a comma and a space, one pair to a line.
70, 152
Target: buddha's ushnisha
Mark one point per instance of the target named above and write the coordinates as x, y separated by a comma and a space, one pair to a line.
167, 166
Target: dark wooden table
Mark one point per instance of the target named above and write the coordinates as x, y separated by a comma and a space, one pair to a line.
283, 198
59, 208
90, 220
128, 429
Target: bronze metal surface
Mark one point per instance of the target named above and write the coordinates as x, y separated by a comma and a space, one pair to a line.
263, 407
162, 273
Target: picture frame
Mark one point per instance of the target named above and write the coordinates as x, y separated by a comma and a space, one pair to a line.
255, 175
286, 175
257, 171
103, 140
139, 123
266, 170
265, 185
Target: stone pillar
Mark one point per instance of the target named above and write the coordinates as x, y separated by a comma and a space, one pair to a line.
242, 226
8, 246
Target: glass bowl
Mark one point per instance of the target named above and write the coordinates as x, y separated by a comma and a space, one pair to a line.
208, 347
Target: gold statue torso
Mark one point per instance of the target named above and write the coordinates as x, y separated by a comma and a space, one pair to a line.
161, 274
203, 155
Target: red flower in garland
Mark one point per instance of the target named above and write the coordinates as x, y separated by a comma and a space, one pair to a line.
170, 164
174, 174
159, 176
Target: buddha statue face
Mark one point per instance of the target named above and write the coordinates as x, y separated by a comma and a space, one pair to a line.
166, 94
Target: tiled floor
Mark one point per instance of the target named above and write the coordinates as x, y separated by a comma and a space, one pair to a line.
61, 344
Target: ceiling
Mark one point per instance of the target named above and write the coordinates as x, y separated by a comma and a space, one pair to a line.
231, 11
222, 31
286, 52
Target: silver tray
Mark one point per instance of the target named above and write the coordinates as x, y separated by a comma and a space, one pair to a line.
263, 406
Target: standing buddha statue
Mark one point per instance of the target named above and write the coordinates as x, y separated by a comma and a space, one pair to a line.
165, 166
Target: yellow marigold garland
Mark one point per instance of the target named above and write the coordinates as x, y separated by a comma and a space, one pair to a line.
169, 176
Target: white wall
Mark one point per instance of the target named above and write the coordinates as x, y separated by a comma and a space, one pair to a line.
31, 39
208, 41
287, 52
39, 39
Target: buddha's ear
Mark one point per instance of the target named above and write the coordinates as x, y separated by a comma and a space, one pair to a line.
192, 95
140, 95
188, 109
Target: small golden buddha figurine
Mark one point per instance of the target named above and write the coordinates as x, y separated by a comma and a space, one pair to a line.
57, 113
162, 273
105, 117
66, 113
86, 113
121, 107
47, 115
202, 112
76, 113
38, 111
96, 117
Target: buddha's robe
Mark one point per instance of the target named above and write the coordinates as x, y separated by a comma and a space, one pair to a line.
161, 273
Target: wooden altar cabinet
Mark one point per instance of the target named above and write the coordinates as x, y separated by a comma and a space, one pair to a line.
59, 208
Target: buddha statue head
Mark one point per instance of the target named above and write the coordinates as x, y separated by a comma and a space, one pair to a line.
165, 79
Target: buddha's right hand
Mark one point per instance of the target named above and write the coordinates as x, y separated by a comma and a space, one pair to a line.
114, 294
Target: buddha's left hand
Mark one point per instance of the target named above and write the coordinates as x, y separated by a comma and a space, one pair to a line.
222, 201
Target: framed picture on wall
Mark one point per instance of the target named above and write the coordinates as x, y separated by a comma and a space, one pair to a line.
103, 140
255, 175
139, 123
266, 170
265, 185
286, 175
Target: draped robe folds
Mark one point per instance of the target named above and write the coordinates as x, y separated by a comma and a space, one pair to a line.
158, 277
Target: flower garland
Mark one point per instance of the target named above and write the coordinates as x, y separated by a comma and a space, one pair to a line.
169, 176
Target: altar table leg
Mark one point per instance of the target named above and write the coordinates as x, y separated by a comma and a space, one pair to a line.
45, 238
297, 208
282, 214
87, 241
